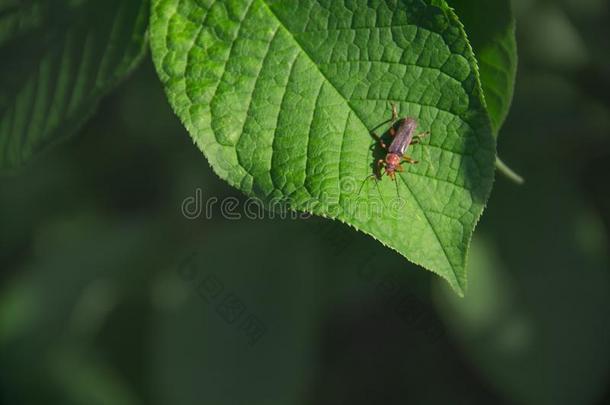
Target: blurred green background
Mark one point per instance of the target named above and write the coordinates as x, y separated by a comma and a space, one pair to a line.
110, 295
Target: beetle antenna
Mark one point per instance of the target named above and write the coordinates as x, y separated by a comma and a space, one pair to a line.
374, 178
380, 194
397, 192
364, 181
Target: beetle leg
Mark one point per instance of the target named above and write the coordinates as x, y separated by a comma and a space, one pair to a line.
371, 176
399, 168
417, 138
379, 140
420, 136
380, 165
409, 160
392, 131
394, 112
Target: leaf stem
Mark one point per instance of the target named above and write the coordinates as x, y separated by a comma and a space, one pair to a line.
508, 172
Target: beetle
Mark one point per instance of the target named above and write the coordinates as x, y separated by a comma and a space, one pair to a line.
403, 133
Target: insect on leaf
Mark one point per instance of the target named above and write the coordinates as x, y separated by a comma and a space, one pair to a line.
281, 98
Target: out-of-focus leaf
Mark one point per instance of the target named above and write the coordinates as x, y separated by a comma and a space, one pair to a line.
58, 59
490, 27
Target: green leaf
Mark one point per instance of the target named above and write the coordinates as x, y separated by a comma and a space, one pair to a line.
281, 99
58, 60
490, 27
